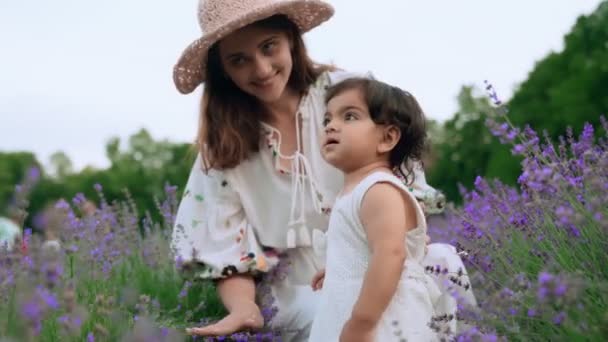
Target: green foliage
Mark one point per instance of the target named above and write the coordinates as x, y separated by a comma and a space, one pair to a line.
61, 164
142, 167
109, 305
565, 89
13, 167
570, 85
463, 147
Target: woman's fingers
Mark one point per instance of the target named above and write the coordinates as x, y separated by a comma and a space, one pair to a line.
317, 280
320, 283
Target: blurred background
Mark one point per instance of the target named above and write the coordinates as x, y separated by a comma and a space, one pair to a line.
86, 93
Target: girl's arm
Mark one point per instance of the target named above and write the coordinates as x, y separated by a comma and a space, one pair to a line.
387, 216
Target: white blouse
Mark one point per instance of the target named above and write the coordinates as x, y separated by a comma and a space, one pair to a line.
239, 220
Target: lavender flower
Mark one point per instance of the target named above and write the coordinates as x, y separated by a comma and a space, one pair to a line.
536, 250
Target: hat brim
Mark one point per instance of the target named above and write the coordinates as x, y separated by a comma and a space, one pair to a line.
189, 72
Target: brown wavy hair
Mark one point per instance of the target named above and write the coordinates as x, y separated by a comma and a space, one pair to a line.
230, 119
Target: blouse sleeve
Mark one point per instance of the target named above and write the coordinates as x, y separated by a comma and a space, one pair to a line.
433, 199
212, 238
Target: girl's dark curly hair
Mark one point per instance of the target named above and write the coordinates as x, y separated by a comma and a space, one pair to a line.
389, 105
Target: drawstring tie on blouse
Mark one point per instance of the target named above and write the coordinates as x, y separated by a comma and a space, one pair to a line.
298, 234
301, 173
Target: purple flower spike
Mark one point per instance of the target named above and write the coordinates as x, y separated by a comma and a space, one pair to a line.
544, 278
559, 318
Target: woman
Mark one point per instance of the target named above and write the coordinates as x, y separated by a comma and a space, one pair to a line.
259, 187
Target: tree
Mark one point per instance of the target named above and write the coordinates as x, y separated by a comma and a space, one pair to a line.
13, 167
570, 87
142, 167
463, 146
61, 164
566, 88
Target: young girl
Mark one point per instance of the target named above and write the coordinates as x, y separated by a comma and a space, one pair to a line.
259, 187
375, 287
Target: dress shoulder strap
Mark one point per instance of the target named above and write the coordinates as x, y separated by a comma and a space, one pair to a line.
383, 177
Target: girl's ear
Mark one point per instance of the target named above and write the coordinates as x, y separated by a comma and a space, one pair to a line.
390, 137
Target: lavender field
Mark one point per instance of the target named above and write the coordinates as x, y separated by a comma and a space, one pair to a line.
536, 254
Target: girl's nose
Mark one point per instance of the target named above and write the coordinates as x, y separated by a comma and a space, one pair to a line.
330, 126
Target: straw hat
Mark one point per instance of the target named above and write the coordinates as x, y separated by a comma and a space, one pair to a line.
219, 18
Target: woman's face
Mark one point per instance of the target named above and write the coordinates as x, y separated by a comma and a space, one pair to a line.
258, 61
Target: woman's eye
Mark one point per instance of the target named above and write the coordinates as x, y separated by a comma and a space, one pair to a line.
237, 61
268, 46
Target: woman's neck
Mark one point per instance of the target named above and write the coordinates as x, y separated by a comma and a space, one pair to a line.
283, 109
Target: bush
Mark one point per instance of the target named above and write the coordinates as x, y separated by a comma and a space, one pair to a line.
537, 253
107, 277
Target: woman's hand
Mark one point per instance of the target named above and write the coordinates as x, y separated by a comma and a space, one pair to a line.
355, 331
317, 280
245, 316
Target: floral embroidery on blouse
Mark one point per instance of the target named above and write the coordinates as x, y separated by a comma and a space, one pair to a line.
252, 263
272, 143
432, 199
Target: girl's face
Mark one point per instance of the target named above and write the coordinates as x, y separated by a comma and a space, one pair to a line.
258, 61
351, 138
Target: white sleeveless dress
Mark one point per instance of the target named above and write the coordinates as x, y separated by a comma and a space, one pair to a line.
412, 306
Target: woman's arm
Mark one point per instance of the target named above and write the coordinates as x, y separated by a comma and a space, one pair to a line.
236, 291
210, 234
238, 295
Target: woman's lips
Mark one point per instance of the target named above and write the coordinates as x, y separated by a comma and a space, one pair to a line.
265, 83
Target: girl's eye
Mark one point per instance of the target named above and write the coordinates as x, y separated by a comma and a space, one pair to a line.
325, 122
350, 116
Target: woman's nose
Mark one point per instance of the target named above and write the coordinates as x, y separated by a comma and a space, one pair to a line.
263, 68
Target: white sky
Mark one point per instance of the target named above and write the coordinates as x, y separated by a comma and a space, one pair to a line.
74, 73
